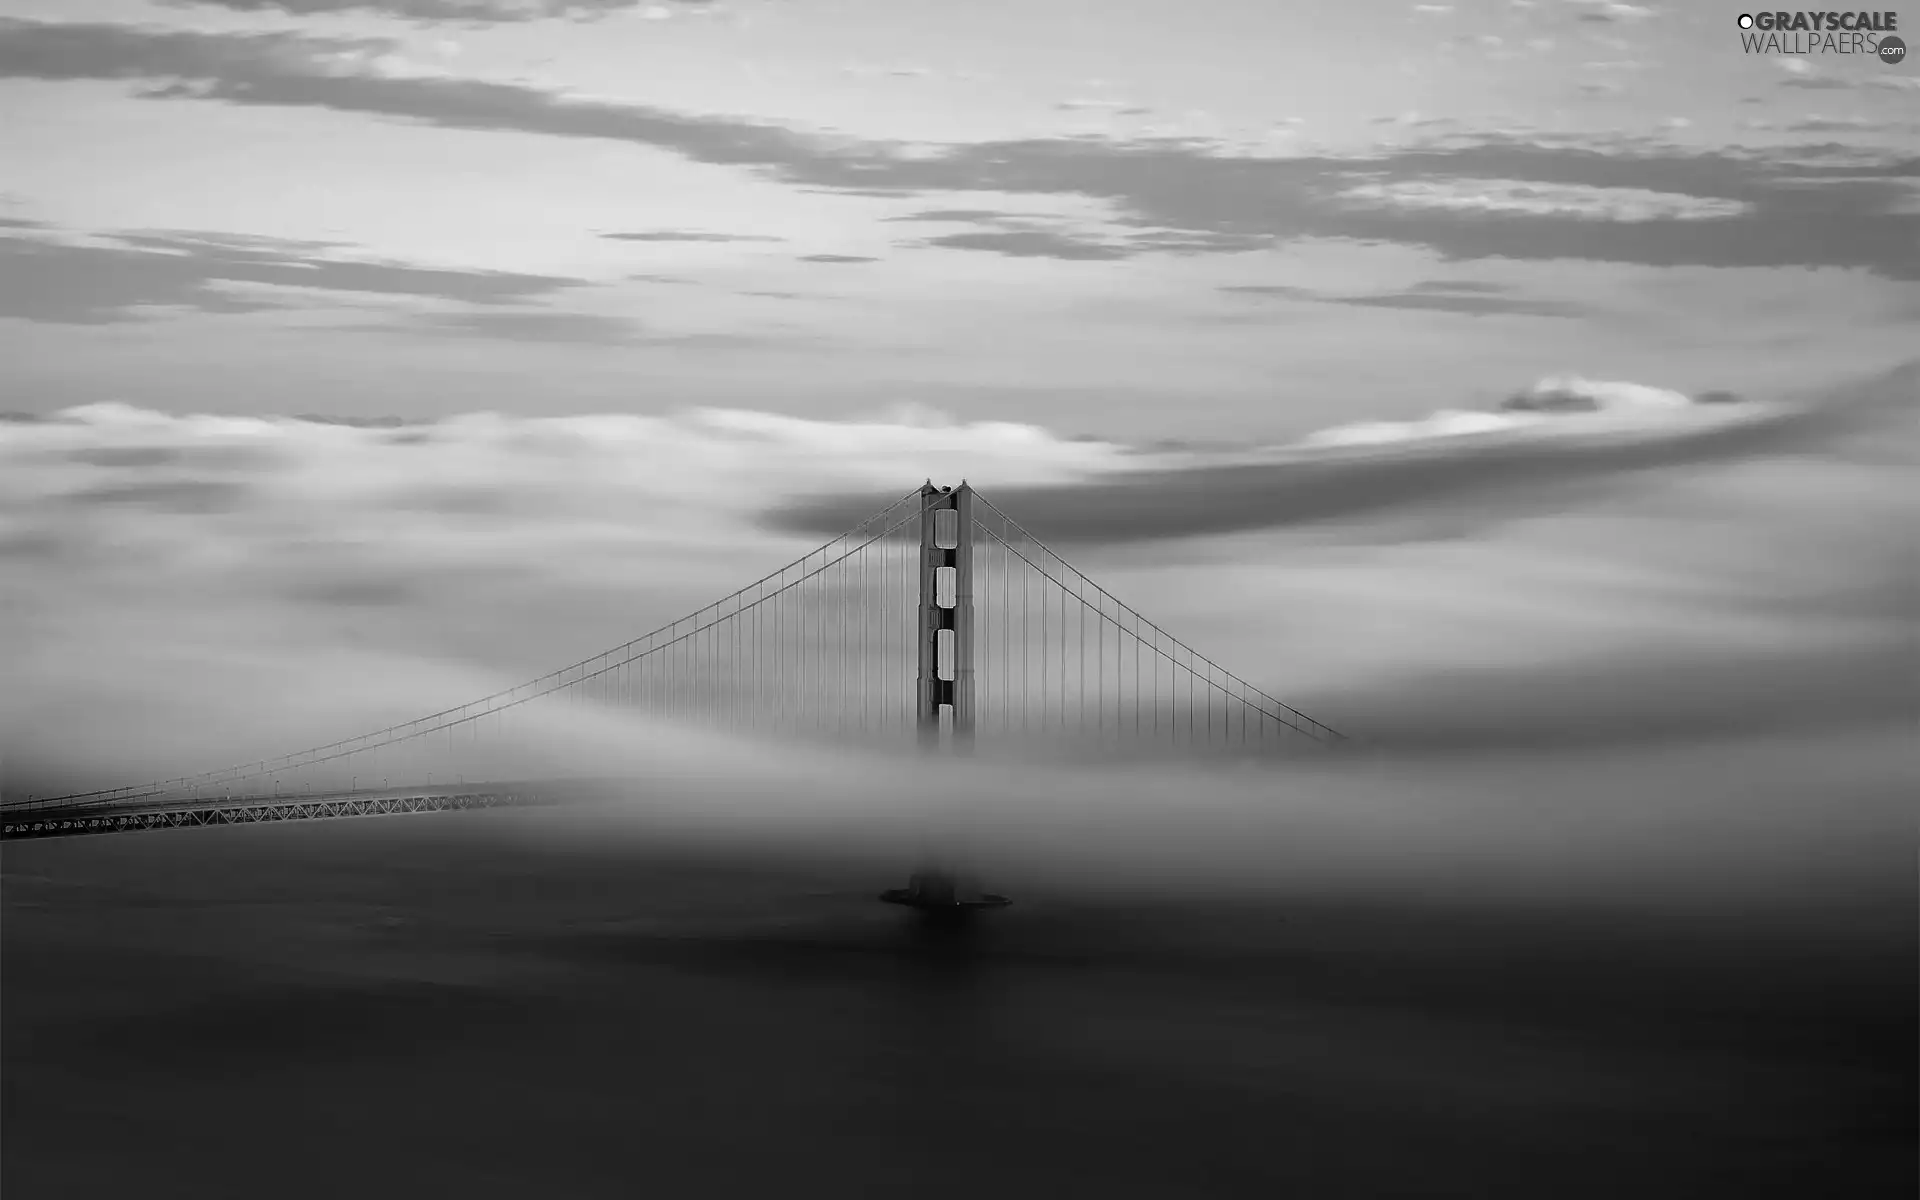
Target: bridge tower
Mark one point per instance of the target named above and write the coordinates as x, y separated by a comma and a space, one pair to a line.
945, 634
945, 622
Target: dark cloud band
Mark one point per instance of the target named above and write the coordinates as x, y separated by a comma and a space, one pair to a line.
1475, 482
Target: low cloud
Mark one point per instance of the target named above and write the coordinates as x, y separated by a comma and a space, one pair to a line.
838, 258
1618, 689
187, 497
462, 551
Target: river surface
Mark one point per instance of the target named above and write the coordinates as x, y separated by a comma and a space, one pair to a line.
390, 1007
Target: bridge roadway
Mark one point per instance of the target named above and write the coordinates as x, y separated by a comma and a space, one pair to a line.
28, 821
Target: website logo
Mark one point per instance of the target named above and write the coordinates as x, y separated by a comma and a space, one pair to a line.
1870, 34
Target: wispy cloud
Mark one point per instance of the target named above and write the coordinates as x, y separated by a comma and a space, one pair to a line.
1815, 123
112, 277
1468, 304
1197, 241
1125, 107
964, 216
1466, 297
1413, 119
1033, 235
894, 71
1032, 243
544, 325
673, 235
467, 12
1521, 197
1808, 78
1282, 290
1602, 12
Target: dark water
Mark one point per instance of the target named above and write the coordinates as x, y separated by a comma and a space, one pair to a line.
387, 1007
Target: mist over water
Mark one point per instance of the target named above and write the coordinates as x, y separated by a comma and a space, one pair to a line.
1685, 687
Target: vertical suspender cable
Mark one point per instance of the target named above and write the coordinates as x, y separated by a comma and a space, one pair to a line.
1080, 624
1044, 650
886, 624
1060, 594
863, 641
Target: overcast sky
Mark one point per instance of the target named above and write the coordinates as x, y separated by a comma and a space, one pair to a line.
1219, 218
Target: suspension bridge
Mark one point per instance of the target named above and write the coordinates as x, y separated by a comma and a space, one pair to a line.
937, 624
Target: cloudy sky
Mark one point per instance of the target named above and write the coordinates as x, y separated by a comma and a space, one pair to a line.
404, 349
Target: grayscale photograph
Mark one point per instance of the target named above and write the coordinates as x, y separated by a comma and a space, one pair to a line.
1034, 598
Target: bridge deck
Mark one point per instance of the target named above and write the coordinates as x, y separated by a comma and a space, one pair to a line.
126, 816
